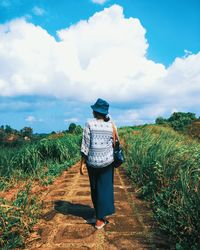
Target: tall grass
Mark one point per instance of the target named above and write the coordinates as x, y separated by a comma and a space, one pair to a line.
41, 161
165, 168
34, 159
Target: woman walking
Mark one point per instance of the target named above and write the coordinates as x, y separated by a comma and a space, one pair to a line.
97, 154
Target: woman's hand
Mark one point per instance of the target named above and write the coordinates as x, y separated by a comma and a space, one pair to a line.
82, 169
82, 165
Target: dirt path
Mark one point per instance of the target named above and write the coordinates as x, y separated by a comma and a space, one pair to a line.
67, 203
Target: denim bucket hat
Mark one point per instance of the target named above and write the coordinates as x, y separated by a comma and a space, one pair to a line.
100, 106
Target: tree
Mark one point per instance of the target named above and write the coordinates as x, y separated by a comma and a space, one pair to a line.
8, 129
2, 135
160, 120
26, 131
75, 129
72, 127
180, 120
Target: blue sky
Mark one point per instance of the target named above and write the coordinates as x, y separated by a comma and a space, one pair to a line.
57, 57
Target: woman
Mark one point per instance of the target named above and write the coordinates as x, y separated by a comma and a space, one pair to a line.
97, 154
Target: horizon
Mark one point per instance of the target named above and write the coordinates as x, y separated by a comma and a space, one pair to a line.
82, 126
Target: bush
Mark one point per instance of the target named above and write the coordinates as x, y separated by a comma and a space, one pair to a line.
179, 121
194, 129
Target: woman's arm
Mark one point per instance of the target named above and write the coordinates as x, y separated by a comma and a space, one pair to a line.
83, 161
85, 147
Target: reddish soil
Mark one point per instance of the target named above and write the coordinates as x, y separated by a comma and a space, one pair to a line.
67, 203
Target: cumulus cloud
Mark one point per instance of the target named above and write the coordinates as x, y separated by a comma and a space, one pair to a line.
99, 56
38, 11
31, 118
99, 1
144, 114
104, 56
181, 84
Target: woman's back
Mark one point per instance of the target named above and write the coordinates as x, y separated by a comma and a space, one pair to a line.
98, 143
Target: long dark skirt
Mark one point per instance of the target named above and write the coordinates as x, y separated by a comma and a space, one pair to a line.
102, 190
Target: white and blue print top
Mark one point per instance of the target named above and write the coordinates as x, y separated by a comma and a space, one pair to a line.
97, 143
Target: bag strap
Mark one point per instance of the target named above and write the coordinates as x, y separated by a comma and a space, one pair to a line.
115, 136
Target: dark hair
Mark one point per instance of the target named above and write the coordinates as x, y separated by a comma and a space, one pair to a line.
98, 115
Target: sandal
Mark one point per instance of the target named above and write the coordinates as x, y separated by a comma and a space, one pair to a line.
102, 225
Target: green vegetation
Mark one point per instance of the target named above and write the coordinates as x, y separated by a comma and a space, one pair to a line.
40, 159
163, 161
186, 123
12, 137
165, 168
74, 129
17, 219
36, 160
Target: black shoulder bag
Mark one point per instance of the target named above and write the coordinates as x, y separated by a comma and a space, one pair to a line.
117, 149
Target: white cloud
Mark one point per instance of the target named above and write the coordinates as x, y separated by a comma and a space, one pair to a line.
73, 119
104, 56
30, 119
181, 84
38, 11
139, 116
99, 1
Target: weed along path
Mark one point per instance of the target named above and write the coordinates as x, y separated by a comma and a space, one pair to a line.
67, 203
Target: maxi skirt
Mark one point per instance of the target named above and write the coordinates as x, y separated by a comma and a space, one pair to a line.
102, 190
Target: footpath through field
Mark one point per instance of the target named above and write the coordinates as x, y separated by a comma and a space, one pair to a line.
67, 203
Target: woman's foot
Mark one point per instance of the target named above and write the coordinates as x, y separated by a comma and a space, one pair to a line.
100, 223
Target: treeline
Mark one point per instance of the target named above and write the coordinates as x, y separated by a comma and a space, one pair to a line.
186, 123
72, 129
13, 137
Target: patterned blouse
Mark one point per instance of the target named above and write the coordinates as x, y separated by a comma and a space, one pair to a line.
97, 143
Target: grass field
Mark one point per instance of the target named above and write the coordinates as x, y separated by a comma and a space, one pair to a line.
165, 168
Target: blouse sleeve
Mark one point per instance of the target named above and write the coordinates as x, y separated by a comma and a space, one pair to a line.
85, 140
